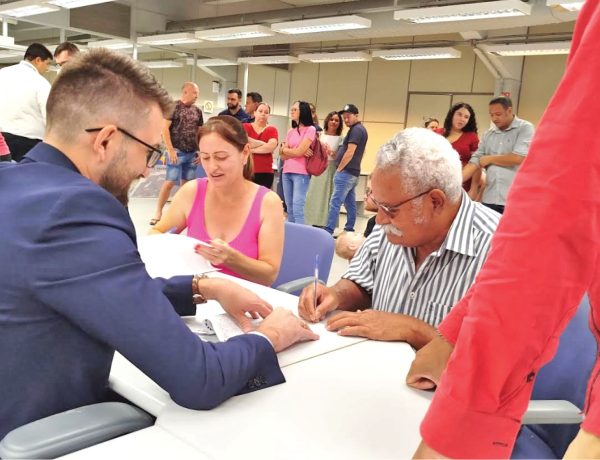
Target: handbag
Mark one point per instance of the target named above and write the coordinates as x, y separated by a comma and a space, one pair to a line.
317, 163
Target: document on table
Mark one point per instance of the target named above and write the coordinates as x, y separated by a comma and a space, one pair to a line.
169, 254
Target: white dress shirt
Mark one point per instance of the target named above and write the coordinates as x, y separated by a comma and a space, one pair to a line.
23, 92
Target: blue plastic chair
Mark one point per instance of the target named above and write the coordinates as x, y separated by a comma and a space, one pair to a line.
301, 245
564, 378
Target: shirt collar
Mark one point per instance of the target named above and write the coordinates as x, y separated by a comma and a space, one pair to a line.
45, 153
460, 236
26, 63
513, 124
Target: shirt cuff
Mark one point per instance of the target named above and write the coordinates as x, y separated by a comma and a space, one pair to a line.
458, 432
262, 335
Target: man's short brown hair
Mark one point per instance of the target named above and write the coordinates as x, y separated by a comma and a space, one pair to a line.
102, 87
69, 47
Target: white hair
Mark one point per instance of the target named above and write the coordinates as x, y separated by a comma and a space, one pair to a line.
425, 161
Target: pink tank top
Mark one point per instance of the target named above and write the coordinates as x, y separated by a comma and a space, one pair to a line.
246, 241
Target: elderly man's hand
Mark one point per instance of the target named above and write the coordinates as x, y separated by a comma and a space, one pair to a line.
326, 301
372, 324
429, 363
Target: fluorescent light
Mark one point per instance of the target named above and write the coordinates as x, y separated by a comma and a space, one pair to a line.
208, 62
269, 60
169, 39
234, 33
6, 41
570, 5
112, 44
76, 3
26, 8
408, 54
481, 10
345, 56
4, 54
308, 26
529, 49
162, 64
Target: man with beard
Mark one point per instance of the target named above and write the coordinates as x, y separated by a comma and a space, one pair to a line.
234, 109
74, 288
430, 245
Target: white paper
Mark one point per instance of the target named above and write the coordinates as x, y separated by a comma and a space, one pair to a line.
168, 254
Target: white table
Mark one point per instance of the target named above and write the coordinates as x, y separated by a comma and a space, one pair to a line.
344, 398
352, 403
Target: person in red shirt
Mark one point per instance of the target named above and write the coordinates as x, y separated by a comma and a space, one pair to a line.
545, 255
460, 128
263, 141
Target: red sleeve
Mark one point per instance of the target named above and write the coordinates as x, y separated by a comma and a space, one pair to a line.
271, 133
474, 142
543, 258
248, 129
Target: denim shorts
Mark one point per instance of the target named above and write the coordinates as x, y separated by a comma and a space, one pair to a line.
185, 169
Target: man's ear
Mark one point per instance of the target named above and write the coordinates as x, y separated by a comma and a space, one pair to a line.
105, 143
438, 199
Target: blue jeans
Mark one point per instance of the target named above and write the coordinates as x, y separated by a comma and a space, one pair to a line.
343, 193
185, 169
294, 191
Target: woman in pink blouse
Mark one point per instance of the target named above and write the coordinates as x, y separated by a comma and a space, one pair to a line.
242, 221
294, 151
460, 128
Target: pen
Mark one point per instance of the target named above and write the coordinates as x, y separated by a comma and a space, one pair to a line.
316, 281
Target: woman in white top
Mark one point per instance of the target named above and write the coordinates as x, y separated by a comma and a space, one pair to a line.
321, 187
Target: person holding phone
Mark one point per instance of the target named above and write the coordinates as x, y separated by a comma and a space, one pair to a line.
242, 221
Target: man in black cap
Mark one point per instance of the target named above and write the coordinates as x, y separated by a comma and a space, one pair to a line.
348, 158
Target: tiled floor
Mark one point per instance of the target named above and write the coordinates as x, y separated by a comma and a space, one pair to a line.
142, 210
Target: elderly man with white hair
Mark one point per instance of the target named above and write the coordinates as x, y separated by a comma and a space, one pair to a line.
430, 245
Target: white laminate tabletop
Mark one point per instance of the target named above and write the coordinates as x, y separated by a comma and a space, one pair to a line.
351, 403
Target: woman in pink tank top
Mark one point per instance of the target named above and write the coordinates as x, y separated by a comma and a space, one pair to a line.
242, 221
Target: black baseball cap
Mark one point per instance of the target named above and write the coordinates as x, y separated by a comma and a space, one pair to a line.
349, 108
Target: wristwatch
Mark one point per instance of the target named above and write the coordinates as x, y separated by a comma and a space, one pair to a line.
197, 296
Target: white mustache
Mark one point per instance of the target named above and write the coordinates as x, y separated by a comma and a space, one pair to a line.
389, 228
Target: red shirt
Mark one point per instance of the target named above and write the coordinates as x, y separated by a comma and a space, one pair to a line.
545, 255
263, 162
465, 145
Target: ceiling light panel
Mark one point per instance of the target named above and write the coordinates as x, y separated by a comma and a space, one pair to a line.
163, 64
235, 33
69, 4
113, 44
470, 11
208, 62
529, 49
310, 26
570, 5
345, 56
25, 8
269, 60
409, 54
169, 39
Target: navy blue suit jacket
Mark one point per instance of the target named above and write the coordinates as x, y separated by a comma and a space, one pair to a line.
73, 289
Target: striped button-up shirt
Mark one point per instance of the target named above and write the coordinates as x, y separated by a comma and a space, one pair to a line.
387, 271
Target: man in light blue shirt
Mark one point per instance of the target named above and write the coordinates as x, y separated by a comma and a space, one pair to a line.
501, 150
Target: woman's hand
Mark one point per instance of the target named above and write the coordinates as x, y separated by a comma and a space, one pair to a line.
217, 253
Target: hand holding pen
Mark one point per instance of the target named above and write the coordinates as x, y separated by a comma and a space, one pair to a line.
316, 301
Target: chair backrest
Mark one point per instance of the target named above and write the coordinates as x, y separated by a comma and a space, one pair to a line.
566, 377
301, 245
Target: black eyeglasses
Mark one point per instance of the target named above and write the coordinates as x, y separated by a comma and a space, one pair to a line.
153, 154
391, 210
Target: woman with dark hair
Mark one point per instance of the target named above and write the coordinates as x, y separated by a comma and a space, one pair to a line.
460, 128
294, 151
242, 222
263, 141
321, 187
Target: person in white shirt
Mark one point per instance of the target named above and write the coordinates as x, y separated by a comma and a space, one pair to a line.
23, 92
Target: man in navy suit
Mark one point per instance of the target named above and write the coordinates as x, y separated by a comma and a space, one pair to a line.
73, 287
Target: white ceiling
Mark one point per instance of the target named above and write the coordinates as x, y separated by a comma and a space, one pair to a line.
145, 17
